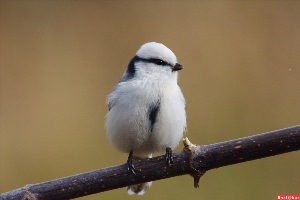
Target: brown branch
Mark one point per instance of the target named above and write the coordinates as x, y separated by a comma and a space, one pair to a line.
193, 160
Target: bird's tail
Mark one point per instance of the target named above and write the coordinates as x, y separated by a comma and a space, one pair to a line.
141, 188
138, 189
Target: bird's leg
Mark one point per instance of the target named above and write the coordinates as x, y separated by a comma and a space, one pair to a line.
130, 166
169, 156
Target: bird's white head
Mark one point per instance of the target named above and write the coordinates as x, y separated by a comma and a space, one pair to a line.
154, 50
155, 60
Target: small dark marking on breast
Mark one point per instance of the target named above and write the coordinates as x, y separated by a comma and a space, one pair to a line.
153, 111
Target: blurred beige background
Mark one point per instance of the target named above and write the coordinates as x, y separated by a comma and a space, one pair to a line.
60, 59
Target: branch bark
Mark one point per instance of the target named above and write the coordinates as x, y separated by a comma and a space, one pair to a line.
193, 160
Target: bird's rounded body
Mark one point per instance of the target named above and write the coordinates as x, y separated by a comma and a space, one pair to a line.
147, 108
129, 124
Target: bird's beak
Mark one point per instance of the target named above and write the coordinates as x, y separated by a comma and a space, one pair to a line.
177, 67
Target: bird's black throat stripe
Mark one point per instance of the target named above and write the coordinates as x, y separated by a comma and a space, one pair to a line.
153, 111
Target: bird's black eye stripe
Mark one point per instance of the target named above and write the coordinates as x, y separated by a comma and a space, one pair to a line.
152, 60
131, 68
158, 61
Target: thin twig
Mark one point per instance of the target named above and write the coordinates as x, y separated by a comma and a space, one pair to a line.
190, 161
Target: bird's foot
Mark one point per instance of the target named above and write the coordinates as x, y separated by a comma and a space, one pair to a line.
169, 156
130, 165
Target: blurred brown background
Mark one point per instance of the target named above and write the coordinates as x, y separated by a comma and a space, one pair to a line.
60, 59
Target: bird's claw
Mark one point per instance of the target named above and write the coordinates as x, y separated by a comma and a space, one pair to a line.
169, 156
130, 166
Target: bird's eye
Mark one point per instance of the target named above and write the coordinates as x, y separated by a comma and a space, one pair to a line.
160, 62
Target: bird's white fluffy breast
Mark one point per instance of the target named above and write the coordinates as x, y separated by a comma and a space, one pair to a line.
128, 125
171, 121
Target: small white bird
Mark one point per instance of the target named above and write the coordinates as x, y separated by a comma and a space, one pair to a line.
147, 108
